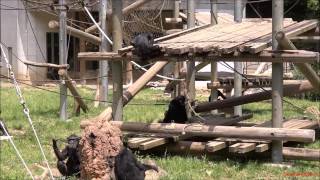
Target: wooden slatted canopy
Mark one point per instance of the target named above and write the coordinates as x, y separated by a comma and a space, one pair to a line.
246, 41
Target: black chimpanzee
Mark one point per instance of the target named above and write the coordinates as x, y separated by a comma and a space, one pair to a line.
144, 48
128, 167
177, 111
71, 151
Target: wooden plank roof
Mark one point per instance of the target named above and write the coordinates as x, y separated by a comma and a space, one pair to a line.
248, 36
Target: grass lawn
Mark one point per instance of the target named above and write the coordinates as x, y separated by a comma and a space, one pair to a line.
44, 107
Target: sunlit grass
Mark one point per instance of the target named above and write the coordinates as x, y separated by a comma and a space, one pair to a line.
44, 110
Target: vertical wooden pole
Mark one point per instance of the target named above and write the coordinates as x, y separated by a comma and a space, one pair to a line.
103, 65
238, 65
214, 65
117, 103
177, 66
63, 59
191, 72
277, 80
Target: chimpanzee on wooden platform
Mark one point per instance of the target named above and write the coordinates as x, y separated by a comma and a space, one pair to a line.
144, 48
71, 153
177, 111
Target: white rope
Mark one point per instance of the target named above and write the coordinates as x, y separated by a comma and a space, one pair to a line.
25, 108
16, 149
94, 21
158, 75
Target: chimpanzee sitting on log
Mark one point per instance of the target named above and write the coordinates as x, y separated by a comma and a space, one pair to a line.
71, 151
144, 48
128, 167
177, 111
220, 95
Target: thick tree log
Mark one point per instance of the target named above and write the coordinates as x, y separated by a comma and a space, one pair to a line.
77, 33
301, 154
73, 90
289, 89
142, 81
298, 135
304, 68
187, 147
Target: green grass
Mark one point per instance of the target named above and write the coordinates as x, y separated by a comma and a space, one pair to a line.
44, 108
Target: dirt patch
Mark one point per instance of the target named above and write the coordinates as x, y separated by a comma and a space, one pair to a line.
99, 144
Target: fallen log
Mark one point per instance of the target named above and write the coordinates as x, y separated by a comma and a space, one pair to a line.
298, 135
289, 89
187, 147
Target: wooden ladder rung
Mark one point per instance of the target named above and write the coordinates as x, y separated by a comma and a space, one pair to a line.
135, 142
242, 147
262, 147
155, 142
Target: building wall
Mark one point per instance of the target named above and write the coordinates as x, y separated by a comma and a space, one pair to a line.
16, 32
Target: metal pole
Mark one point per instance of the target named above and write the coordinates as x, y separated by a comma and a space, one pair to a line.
238, 65
63, 59
191, 72
103, 65
214, 67
214, 12
277, 80
117, 103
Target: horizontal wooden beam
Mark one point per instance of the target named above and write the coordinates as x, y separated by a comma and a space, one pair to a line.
295, 56
36, 64
77, 33
173, 20
101, 56
307, 39
289, 89
298, 135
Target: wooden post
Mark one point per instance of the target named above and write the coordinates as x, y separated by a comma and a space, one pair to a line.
103, 65
117, 102
191, 73
298, 135
238, 65
214, 65
178, 65
277, 81
63, 59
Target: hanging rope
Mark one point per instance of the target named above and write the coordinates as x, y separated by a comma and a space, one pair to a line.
25, 108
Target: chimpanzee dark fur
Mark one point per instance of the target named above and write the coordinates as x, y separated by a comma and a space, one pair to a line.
177, 111
71, 151
127, 167
143, 47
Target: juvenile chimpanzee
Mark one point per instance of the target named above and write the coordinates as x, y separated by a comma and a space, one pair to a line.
128, 167
71, 151
144, 48
177, 111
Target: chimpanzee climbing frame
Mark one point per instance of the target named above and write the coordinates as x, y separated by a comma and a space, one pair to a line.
234, 42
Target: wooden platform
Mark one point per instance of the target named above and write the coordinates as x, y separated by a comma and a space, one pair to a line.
245, 42
252, 36
233, 145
